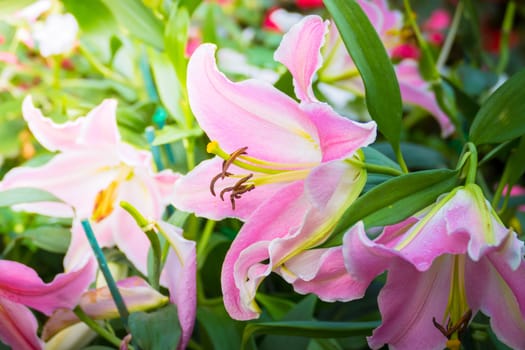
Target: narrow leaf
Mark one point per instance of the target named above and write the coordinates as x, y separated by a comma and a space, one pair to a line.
368, 53
516, 164
26, 195
171, 134
51, 238
168, 86
395, 200
138, 20
176, 40
158, 330
310, 329
502, 116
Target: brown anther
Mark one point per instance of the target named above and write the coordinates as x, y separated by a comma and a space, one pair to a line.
215, 179
238, 189
450, 329
224, 173
234, 155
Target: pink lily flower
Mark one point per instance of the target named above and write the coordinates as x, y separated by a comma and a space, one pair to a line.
98, 304
93, 171
180, 276
263, 140
21, 288
444, 266
340, 71
281, 163
280, 235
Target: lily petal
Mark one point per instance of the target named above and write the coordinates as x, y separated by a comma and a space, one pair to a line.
99, 304
75, 177
490, 277
193, 193
249, 113
322, 272
18, 326
300, 52
98, 127
250, 248
339, 137
407, 317
415, 91
180, 273
21, 284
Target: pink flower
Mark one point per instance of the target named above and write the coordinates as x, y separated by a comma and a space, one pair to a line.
435, 25
263, 139
280, 164
93, 171
340, 71
180, 276
98, 304
20, 287
443, 266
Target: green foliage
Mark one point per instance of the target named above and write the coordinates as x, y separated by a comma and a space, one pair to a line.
369, 55
502, 116
395, 200
26, 195
157, 330
138, 20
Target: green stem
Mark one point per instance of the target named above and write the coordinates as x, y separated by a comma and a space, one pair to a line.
56, 71
373, 168
435, 76
401, 160
82, 316
473, 164
148, 229
447, 45
115, 293
499, 190
206, 234
505, 36
101, 68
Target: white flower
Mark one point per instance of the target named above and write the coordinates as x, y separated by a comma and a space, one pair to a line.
56, 35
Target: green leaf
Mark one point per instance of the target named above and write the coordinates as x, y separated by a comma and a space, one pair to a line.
277, 307
221, 330
170, 134
502, 116
416, 156
310, 329
191, 5
96, 22
176, 39
302, 311
515, 166
167, 84
51, 238
375, 155
395, 200
158, 330
138, 20
368, 53
26, 195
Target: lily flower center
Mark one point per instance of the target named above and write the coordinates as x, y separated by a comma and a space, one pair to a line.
259, 172
105, 199
457, 313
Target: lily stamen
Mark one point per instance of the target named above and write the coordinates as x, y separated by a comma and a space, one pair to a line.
234, 155
225, 165
216, 178
238, 189
458, 328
